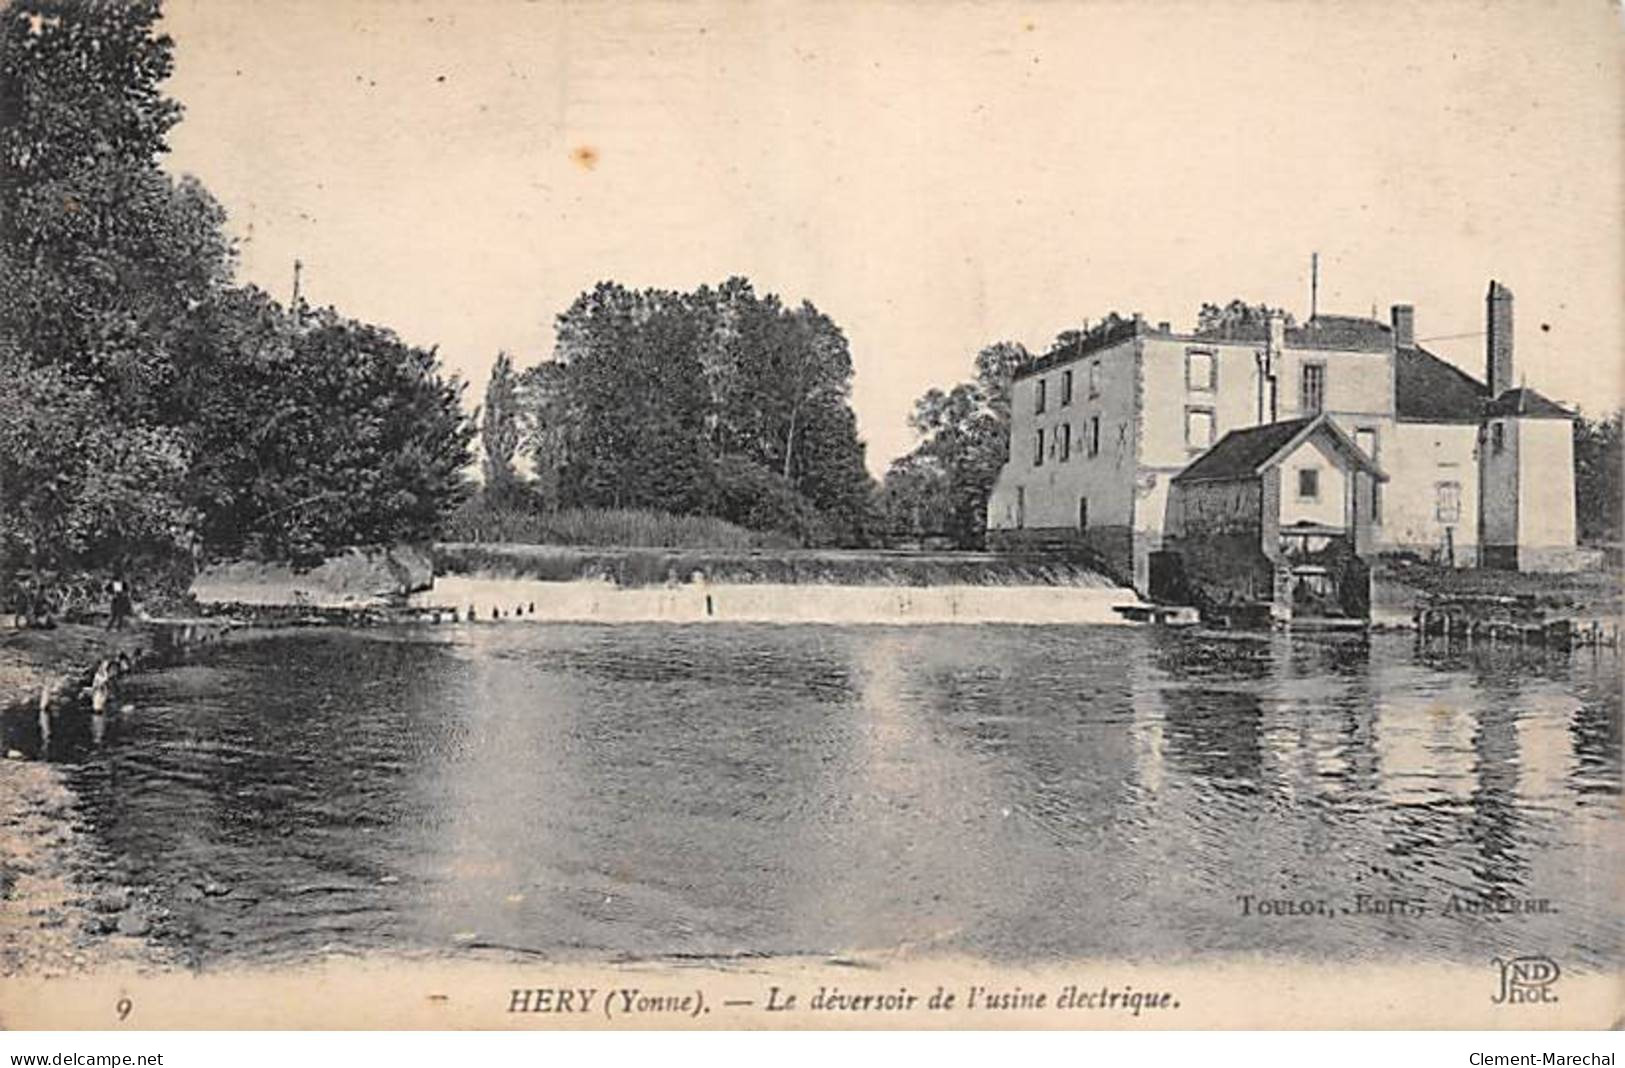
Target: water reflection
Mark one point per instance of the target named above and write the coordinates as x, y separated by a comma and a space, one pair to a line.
1010, 792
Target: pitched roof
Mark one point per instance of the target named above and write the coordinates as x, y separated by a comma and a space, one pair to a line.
1430, 390
1527, 403
1102, 336
1240, 453
1245, 453
1343, 332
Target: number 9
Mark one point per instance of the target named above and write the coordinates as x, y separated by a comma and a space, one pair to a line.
124, 1006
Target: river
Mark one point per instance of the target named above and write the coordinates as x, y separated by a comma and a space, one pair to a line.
1012, 793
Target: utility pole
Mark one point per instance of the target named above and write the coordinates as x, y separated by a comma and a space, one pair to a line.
1314, 284
298, 266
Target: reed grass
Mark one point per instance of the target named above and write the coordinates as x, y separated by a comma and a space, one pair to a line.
604, 527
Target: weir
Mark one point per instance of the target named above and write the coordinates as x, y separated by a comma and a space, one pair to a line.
603, 602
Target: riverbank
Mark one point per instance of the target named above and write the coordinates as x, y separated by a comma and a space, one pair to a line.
1400, 587
62, 911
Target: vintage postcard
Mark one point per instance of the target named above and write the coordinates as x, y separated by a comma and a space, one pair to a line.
811, 515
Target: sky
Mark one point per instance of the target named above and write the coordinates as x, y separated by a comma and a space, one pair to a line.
934, 176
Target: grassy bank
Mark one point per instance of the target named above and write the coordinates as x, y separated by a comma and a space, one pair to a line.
635, 566
605, 527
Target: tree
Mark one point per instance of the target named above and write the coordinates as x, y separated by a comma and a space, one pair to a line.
102, 254
966, 430
832, 474
751, 496
79, 494
150, 410
542, 422
915, 500
365, 443
675, 400
1598, 472
499, 431
634, 402
1237, 318
103, 261
314, 434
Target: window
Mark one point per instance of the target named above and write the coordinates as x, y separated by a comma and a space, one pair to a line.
1094, 435
1039, 406
1083, 513
1312, 388
1038, 453
1201, 371
1094, 378
1021, 506
1198, 428
1309, 483
1447, 502
1066, 442
1498, 437
1066, 388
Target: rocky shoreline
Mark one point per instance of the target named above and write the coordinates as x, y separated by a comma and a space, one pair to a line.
63, 909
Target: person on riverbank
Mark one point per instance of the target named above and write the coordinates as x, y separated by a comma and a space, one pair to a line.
122, 606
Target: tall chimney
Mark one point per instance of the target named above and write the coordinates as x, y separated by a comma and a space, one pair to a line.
1274, 352
1498, 339
1403, 316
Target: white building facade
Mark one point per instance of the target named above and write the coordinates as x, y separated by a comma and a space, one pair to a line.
1100, 427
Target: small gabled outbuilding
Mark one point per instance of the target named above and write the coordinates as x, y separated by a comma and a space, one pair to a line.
1272, 520
1526, 475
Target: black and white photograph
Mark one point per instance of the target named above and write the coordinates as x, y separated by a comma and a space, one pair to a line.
775, 515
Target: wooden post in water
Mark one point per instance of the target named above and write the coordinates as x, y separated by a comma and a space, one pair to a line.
44, 719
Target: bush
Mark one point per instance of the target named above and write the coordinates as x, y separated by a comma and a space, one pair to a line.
751, 496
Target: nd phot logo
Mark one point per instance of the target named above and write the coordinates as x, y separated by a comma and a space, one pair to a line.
1526, 980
